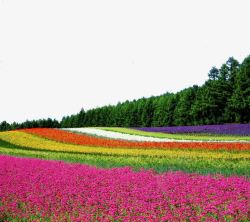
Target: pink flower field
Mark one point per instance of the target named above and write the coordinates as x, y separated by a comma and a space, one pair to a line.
41, 190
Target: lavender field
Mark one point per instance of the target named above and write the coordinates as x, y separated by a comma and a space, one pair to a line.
226, 129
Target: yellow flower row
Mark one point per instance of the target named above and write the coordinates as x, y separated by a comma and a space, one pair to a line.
35, 142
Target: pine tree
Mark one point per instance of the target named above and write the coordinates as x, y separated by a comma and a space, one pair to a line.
240, 101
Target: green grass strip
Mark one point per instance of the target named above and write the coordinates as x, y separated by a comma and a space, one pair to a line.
203, 137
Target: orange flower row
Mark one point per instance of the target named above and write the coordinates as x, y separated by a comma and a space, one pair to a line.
82, 139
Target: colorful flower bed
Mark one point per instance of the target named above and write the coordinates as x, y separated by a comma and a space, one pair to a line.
225, 158
34, 142
38, 190
73, 138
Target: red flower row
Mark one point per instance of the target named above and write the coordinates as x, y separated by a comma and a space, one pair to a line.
81, 139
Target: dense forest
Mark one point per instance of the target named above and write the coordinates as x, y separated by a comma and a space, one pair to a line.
223, 98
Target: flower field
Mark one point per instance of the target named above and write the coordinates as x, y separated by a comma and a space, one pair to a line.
158, 132
81, 139
38, 190
121, 174
230, 129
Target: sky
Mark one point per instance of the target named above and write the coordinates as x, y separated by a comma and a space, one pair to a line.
59, 56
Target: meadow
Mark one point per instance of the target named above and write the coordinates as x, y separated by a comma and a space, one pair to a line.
123, 174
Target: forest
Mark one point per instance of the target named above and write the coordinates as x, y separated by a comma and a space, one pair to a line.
223, 98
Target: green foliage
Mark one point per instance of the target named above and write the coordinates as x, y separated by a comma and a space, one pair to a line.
213, 73
223, 98
240, 100
41, 123
182, 113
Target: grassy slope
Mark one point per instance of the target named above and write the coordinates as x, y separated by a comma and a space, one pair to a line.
177, 136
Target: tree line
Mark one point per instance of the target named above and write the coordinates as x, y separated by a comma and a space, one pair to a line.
223, 98
41, 123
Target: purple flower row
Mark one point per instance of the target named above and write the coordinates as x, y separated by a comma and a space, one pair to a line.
229, 129
38, 190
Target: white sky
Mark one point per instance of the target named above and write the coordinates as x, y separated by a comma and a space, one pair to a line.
57, 56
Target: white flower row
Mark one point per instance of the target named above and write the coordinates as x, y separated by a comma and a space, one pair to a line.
123, 136
116, 135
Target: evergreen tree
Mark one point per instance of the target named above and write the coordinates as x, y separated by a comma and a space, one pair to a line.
240, 101
182, 114
4, 126
213, 73
148, 112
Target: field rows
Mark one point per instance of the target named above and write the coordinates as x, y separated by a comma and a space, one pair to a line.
128, 180
225, 158
87, 140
